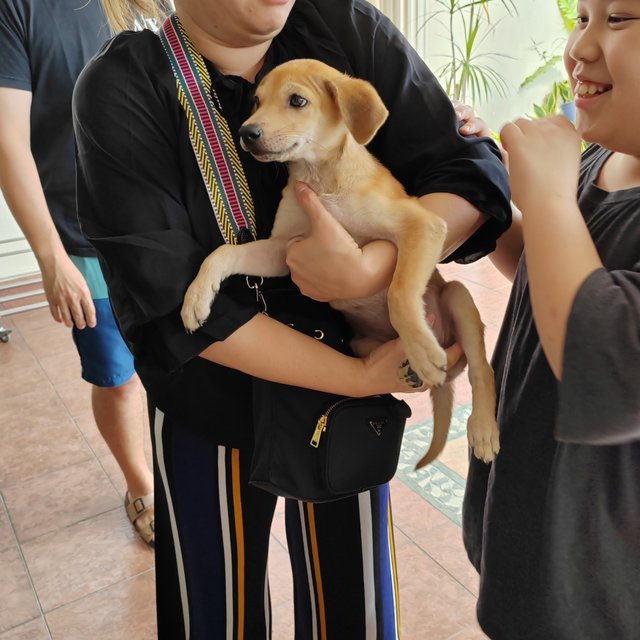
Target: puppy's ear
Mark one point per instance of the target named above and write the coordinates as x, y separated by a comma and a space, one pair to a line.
360, 105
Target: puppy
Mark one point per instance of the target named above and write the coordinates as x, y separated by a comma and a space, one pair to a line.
318, 120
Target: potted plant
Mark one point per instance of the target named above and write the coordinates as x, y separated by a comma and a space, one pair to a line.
559, 98
470, 74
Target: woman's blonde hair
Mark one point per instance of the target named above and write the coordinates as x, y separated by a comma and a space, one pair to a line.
135, 14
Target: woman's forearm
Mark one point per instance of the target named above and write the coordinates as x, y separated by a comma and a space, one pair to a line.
379, 257
509, 247
462, 218
268, 349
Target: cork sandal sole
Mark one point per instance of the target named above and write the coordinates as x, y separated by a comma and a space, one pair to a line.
135, 510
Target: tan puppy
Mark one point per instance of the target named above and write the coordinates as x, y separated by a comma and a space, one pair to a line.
317, 120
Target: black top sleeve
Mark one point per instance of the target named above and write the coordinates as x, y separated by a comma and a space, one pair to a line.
132, 207
599, 396
15, 71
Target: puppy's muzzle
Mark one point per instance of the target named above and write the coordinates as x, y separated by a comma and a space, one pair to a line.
251, 138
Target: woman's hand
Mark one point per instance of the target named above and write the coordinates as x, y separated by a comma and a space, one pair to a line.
328, 264
544, 157
268, 349
472, 123
386, 368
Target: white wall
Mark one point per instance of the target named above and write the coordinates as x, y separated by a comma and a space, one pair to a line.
537, 21
11, 266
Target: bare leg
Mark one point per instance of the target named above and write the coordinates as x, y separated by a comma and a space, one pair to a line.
118, 412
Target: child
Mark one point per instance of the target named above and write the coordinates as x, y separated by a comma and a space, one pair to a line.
553, 526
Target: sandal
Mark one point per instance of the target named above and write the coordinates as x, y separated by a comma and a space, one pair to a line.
136, 509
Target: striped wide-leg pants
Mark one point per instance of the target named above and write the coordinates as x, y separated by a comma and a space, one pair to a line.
212, 542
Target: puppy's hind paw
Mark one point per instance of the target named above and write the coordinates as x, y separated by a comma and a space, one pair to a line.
485, 441
429, 366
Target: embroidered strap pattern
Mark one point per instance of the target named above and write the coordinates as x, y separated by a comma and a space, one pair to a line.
211, 138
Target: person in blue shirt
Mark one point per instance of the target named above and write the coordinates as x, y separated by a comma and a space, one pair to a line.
44, 44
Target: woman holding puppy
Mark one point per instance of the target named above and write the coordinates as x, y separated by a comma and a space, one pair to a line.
553, 526
144, 205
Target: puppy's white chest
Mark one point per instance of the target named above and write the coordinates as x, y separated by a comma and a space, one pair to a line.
352, 215
291, 220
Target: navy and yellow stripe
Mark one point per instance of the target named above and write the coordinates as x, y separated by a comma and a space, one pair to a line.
212, 539
345, 581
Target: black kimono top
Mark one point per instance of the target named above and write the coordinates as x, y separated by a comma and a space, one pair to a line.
142, 201
554, 524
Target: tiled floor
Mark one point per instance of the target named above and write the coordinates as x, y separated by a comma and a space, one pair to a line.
71, 567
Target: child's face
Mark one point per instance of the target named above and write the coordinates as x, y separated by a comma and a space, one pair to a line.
603, 61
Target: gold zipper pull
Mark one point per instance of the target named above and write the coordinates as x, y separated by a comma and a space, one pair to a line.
317, 434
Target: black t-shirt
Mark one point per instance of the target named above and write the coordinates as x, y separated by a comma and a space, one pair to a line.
553, 525
44, 44
143, 204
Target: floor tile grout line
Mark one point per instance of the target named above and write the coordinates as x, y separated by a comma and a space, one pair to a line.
275, 538
426, 553
14, 483
458, 634
25, 622
68, 525
100, 590
26, 567
103, 464
74, 420
39, 476
69, 414
19, 543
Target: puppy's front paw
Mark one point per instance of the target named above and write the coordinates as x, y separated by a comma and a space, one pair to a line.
428, 360
197, 305
483, 436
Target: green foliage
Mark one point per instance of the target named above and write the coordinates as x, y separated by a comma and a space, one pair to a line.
469, 75
560, 92
568, 12
543, 69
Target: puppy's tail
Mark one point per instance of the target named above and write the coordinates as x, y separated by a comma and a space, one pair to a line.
442, 399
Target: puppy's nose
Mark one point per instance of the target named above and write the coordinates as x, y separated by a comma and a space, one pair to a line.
250, 133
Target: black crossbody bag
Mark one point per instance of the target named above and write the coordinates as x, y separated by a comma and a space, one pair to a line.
316, 446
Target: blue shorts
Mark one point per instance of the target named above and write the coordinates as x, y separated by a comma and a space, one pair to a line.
104, 355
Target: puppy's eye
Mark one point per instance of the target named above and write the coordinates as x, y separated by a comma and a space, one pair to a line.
297, 101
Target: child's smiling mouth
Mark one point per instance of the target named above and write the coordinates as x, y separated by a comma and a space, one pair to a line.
587, 88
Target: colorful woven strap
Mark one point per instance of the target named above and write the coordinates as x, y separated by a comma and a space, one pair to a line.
210, 137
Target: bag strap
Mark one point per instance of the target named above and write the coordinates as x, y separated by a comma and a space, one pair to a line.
210, 136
